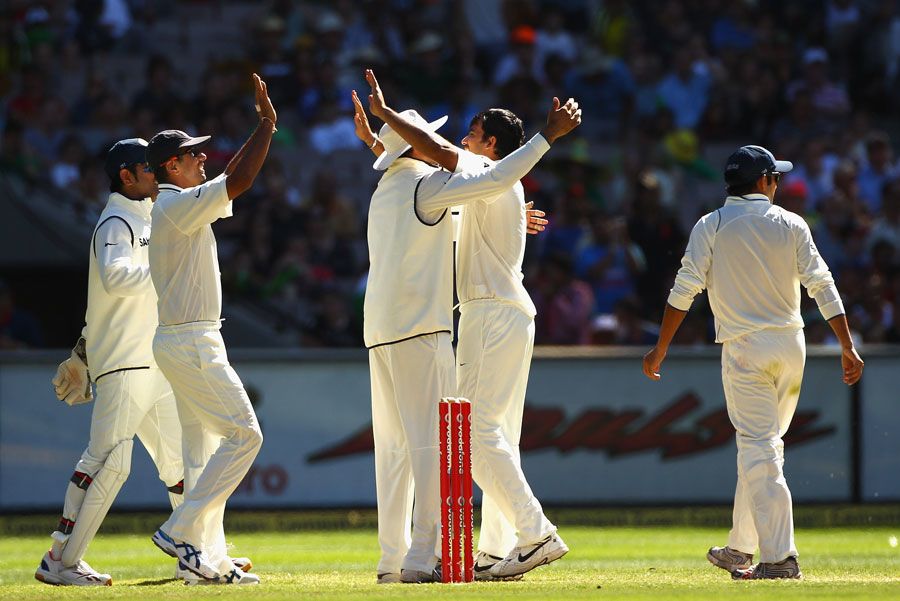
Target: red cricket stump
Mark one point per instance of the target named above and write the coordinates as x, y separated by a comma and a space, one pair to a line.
468, 542
455, 417
456, 464
446, 445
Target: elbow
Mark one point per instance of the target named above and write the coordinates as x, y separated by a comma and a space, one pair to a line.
236, 184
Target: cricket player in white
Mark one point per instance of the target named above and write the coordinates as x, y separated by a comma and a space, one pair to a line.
753, 256
133, 396
188, 346
497, 315
408, 320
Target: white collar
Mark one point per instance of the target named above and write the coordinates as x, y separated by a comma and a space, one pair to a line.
754, 197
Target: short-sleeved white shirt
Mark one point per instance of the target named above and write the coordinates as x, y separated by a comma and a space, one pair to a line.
184, 262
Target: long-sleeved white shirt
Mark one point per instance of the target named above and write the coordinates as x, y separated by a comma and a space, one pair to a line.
493, 222
184, 261
409, 291
121, 309
753, 256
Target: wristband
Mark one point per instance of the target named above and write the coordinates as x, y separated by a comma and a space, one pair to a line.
374, 142
269, 119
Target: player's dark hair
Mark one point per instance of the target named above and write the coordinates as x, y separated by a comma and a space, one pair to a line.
162, 176
116, 184
503, 125
741, 189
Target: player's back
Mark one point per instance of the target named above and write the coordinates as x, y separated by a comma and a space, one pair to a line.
754, 280
410, 284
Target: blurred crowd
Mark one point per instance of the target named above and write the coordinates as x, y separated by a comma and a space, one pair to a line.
669, 88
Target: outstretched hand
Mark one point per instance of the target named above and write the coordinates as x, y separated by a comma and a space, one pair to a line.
377, 104
264, 108
534, 219
361, 122
561, 119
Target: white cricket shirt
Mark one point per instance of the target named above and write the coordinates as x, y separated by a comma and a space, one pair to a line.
409, 291
493, 225
753, 256
184, 260
121, 309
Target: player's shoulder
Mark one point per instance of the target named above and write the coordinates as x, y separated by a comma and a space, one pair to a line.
117, 207
469, 161
788, 218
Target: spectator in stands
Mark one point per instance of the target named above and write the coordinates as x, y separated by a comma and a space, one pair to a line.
610, 262
816, 171
65, 169
522, 60
47, 131
15, 156
631, 328
828, 99
430, 71
880, 168
272, 58
685, 89
553, 39
159, 93
564, 304
658, 234
887, 227
604, 81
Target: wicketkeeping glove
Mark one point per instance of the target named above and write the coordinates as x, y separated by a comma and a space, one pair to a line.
72, 382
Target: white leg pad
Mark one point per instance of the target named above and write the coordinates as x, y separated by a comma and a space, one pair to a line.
97, 501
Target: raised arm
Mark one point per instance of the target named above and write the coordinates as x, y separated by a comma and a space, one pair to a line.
429, 144
245, 165
487, 183
362, 129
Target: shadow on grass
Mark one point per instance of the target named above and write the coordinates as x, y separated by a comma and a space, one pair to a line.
155, 582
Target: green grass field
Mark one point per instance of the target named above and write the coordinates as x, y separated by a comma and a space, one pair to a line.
604, 563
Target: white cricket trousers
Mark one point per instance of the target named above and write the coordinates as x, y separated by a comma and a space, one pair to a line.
135, 402
209, 395
128, 403
496, 340
761, 374
408, 380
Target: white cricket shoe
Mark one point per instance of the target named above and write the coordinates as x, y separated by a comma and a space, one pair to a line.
526, 558
52, 571
235, 576
242, 563
164, 542
483, 564
187, 554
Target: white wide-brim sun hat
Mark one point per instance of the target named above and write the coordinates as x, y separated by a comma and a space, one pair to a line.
394, 145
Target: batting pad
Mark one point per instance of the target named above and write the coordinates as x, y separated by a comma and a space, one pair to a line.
97, 501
